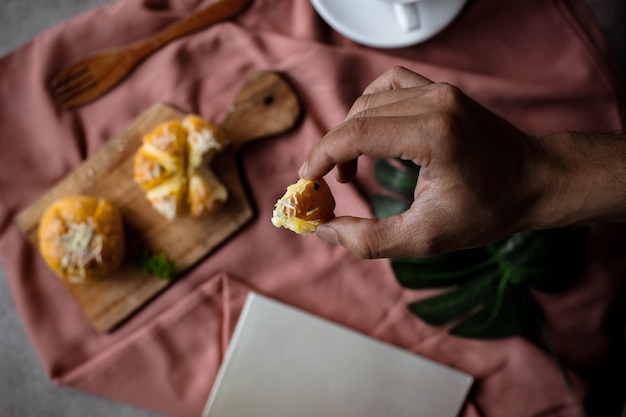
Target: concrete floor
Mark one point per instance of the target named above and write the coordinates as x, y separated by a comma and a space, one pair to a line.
24, 388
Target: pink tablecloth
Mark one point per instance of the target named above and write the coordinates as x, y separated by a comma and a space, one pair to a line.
541, 63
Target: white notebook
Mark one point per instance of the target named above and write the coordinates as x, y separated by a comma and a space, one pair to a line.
284, 362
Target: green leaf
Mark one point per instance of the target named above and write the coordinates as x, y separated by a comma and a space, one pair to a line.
490, 297
503, 315
156, 264
409, 166
443, 270
451, 305
548, 260
400, 181
526, 247
385, 206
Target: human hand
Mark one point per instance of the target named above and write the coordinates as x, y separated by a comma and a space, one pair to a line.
480, 177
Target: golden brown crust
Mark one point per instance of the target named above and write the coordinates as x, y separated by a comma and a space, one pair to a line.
82, 238
206, 193
173, 167
305, 205
162, 155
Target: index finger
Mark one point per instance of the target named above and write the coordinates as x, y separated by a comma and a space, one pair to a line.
396, 78
366, 136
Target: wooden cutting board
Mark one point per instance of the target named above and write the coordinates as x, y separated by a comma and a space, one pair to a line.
266, 105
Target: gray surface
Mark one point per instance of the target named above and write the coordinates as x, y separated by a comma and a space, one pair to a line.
24, 388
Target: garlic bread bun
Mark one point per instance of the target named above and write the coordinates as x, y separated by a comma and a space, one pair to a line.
82, 238
305, 205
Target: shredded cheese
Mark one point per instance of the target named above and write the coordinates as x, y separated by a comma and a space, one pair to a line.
166, 206
166, 141
200, 142
284, 215
82, 245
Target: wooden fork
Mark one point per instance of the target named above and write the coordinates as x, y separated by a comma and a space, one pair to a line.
93, 76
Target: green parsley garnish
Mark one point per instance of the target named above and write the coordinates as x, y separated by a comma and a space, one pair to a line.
156, 264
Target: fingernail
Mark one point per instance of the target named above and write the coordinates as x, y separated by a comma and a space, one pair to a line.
304, 170
327, 233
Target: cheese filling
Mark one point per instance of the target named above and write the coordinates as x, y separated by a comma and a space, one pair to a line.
284, 215
82, 245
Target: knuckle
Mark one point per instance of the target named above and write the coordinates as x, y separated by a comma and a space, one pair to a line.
397, 70
364, 252
362, 103
356, 127
424, 246
443, 125
368, 242
445, 119
447, 93
428, 248
365, 247
390, 79
428, 236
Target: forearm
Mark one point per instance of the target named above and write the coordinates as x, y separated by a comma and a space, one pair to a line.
581, 178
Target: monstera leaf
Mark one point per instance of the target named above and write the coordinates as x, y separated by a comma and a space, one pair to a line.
485, 291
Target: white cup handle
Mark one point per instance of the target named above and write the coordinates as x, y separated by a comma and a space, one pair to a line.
407, 15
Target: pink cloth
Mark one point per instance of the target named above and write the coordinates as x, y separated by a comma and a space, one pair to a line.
542, 64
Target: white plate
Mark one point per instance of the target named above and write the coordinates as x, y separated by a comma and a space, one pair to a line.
373, 23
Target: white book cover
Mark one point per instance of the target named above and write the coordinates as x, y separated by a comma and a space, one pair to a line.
284, 362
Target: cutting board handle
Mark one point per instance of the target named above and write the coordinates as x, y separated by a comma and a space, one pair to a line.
265, 105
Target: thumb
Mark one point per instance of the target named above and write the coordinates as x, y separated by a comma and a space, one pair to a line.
368, 238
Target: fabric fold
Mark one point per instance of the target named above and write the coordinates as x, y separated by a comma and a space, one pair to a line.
197, 328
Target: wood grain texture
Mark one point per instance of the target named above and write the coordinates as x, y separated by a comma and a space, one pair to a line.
266, 105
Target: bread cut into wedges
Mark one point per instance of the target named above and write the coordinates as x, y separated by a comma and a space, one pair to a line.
173, 167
